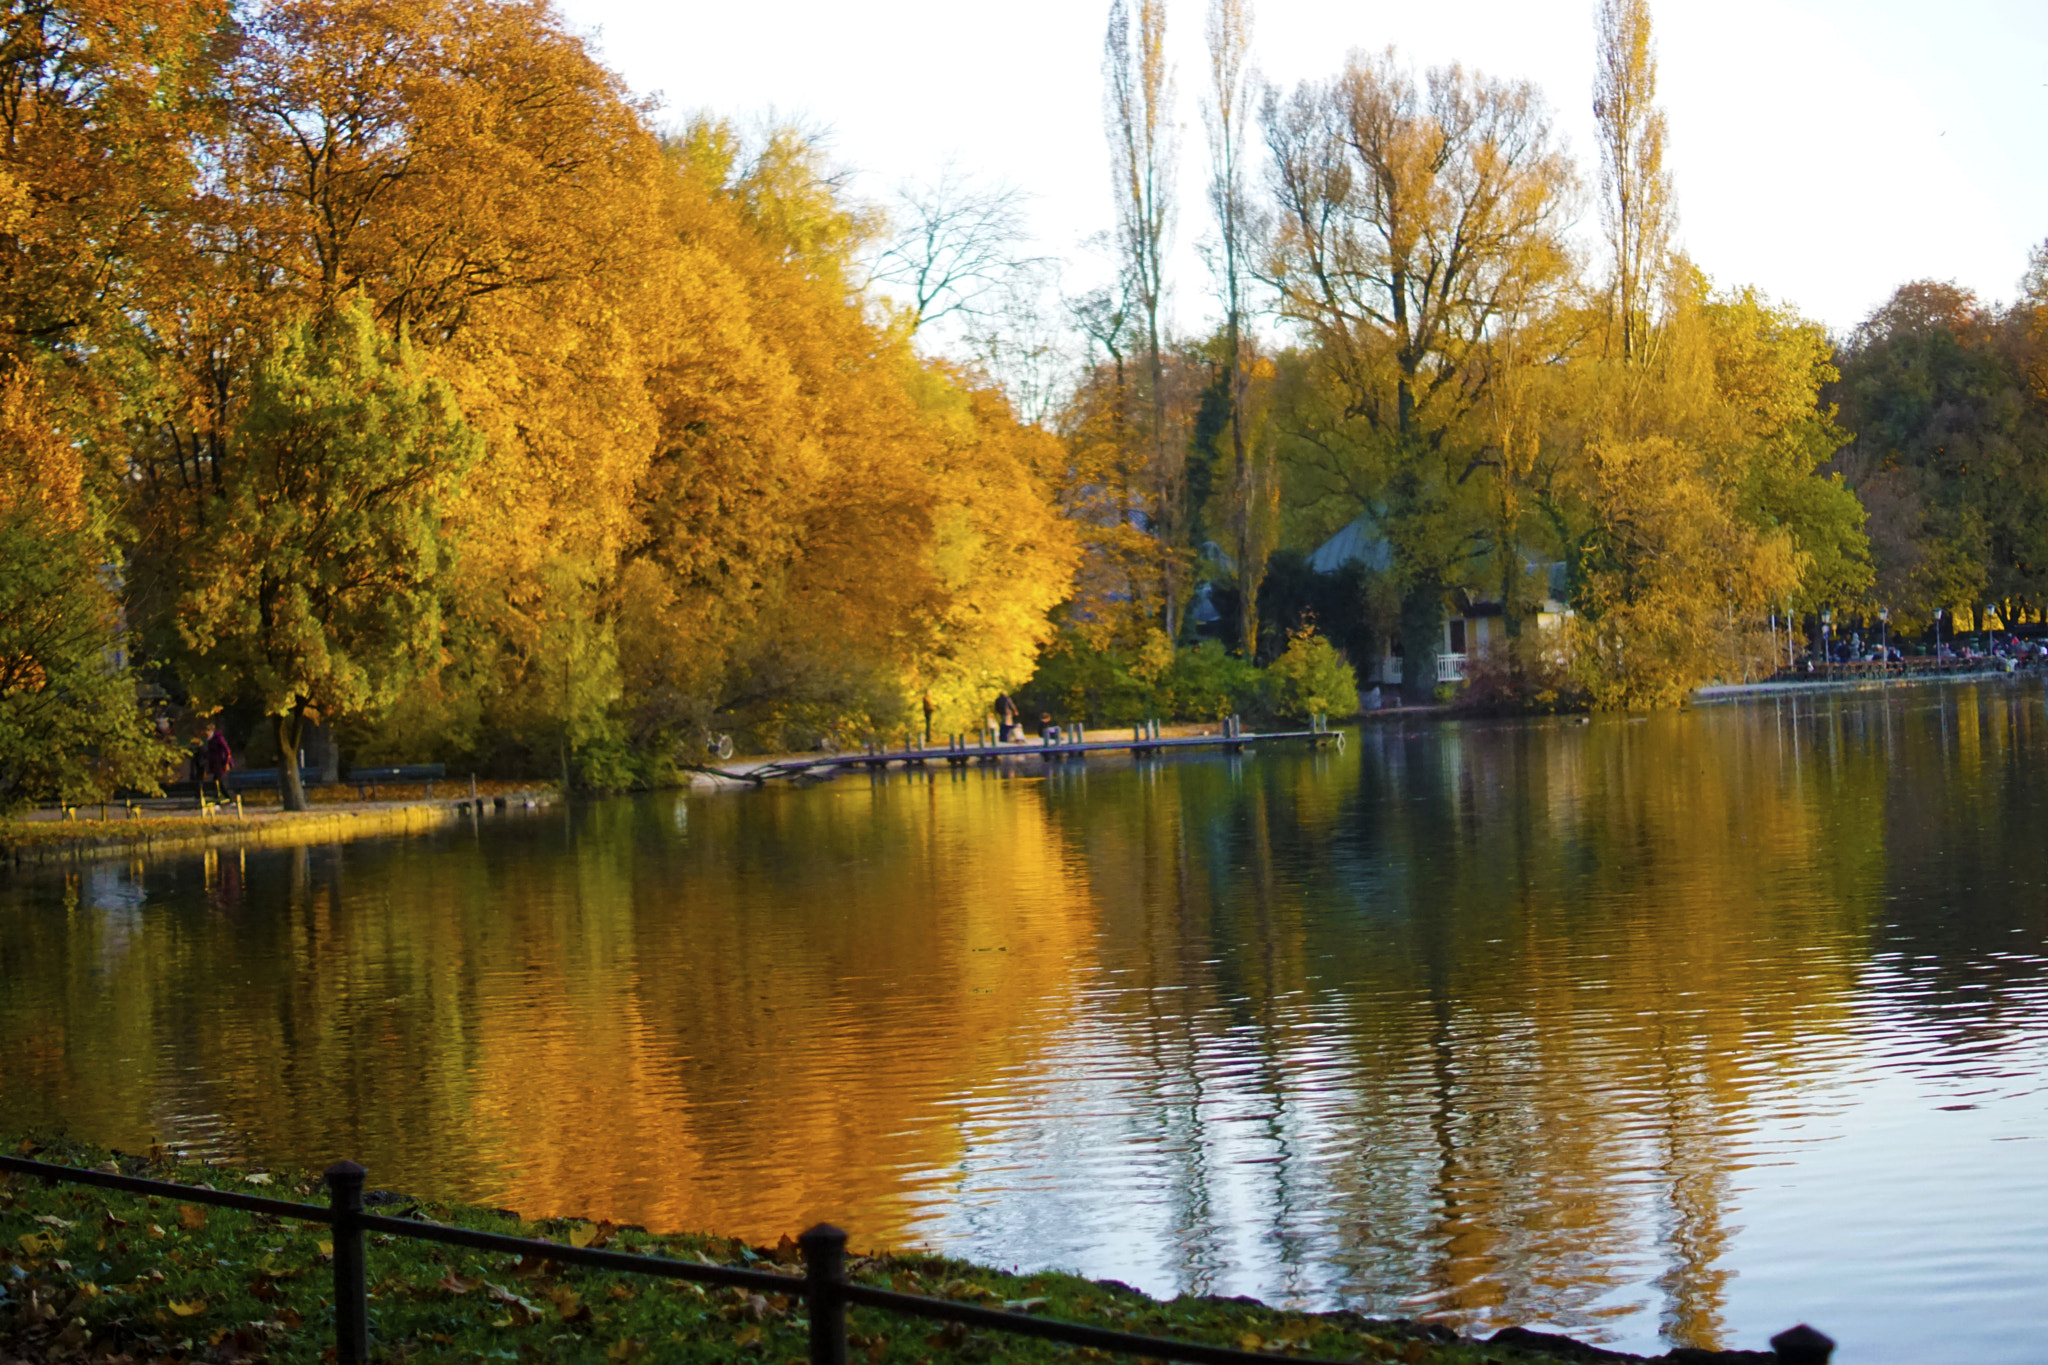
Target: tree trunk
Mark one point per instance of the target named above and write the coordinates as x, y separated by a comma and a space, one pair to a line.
1422, 631
1249, 575
291, 728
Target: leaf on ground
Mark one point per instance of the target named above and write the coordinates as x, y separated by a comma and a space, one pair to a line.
51, 1220
632, 1348
1250, 1341
292, 1319
523, 1311
620, 1291
1024, 1305
262, 1290
590, 1234
455, 1284
258, 1178
750, 1337
191, 1308
191, 1217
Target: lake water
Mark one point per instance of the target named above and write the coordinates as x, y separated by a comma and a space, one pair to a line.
1673, 1031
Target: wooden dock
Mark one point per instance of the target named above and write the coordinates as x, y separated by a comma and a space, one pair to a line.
960, 751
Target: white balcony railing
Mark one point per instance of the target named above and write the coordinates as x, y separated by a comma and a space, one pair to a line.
1450, 668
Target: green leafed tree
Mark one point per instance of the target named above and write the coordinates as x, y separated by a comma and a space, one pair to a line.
323, 553
70, 728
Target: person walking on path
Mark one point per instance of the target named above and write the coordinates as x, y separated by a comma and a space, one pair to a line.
216, 760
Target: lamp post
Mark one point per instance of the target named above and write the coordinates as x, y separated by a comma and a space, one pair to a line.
1827, 648
1884, 625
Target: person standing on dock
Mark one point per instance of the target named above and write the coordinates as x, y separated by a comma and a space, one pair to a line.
1006, 718
928, 709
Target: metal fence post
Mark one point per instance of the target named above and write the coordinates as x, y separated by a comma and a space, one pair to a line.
351, 1285
1802, 1345
824, 1249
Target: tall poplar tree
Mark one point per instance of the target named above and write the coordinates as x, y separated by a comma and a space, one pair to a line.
1143, 148
1227, 112
1635, 189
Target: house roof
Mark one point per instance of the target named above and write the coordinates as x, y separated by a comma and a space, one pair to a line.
1362, 542
1359, 541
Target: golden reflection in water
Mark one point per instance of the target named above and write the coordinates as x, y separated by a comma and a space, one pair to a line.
1477, 1021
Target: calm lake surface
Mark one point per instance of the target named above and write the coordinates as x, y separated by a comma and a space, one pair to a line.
1676, 1031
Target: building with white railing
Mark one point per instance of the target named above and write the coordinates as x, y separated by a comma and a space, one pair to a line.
1474, 623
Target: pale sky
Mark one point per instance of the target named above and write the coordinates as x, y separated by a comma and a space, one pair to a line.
1824, 151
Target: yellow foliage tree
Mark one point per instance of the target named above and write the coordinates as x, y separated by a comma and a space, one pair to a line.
1673, 580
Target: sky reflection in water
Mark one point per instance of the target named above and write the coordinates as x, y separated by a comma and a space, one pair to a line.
1677, 1030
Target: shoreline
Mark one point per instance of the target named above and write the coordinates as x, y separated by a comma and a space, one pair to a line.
160, 1264
29, 841
1738, 691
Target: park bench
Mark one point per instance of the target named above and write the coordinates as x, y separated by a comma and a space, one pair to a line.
265, 779
366, 779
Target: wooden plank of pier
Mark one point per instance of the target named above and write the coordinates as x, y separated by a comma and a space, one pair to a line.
961, 754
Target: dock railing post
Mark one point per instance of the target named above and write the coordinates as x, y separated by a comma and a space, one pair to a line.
824, 1250
351, 1283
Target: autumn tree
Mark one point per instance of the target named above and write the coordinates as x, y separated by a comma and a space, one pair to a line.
1674, 581
1408, 217
953, 248
465, 169
831, 526
954, 254
98, 107
1949, 427
1635, 189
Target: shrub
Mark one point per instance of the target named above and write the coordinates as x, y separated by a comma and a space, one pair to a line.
1206, 683
1311, 677
1531, 676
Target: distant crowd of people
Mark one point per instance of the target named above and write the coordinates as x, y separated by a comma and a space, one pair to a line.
2009, 651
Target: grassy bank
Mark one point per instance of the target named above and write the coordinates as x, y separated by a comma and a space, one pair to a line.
94, 1276
156, 830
